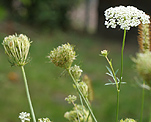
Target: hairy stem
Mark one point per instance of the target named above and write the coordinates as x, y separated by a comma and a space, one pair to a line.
28, 94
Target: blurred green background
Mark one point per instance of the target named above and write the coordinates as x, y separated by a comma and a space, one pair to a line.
46, 23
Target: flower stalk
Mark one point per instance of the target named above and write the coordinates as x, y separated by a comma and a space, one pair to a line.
81, 94
28, 94
142, 106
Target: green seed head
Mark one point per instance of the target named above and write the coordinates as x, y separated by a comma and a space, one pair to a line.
143, 66
17, 48
63, 56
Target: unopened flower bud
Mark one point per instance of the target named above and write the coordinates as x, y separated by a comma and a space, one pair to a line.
104, 53
17, 48
76, 72
63, 56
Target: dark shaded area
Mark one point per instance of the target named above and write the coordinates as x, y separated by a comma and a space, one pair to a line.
42, 13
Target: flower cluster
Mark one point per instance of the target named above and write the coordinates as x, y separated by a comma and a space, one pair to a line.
127, 120
17, 48
63, 56
83, 88
125, 17
78, 114
143, 66
104, 53
44, 120
76, 72
24, 117
71, 99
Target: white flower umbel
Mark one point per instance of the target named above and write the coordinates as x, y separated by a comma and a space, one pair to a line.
125, 17
24, 117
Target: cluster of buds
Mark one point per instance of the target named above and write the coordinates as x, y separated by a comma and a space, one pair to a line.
71, 99
17, 48
83, 88
78, 114
127, 120
76, 72
24, 117
63, 56
143, 66
44, 120
104, 53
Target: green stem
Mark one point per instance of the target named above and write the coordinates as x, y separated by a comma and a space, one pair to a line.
85, 100
28, 95
110, 63
142, 106
121, 75
82, 106
117, 107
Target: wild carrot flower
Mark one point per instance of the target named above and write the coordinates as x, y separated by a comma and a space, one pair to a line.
76, 72
125, 17
17, 48
143, 66
24, 117
63, 56
79, 113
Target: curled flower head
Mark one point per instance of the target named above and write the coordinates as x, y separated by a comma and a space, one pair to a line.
71, 99
63, 56
143, 66
127, 120
77, 114
125, 17
24, 117
76, 72
17, 48
44, 120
